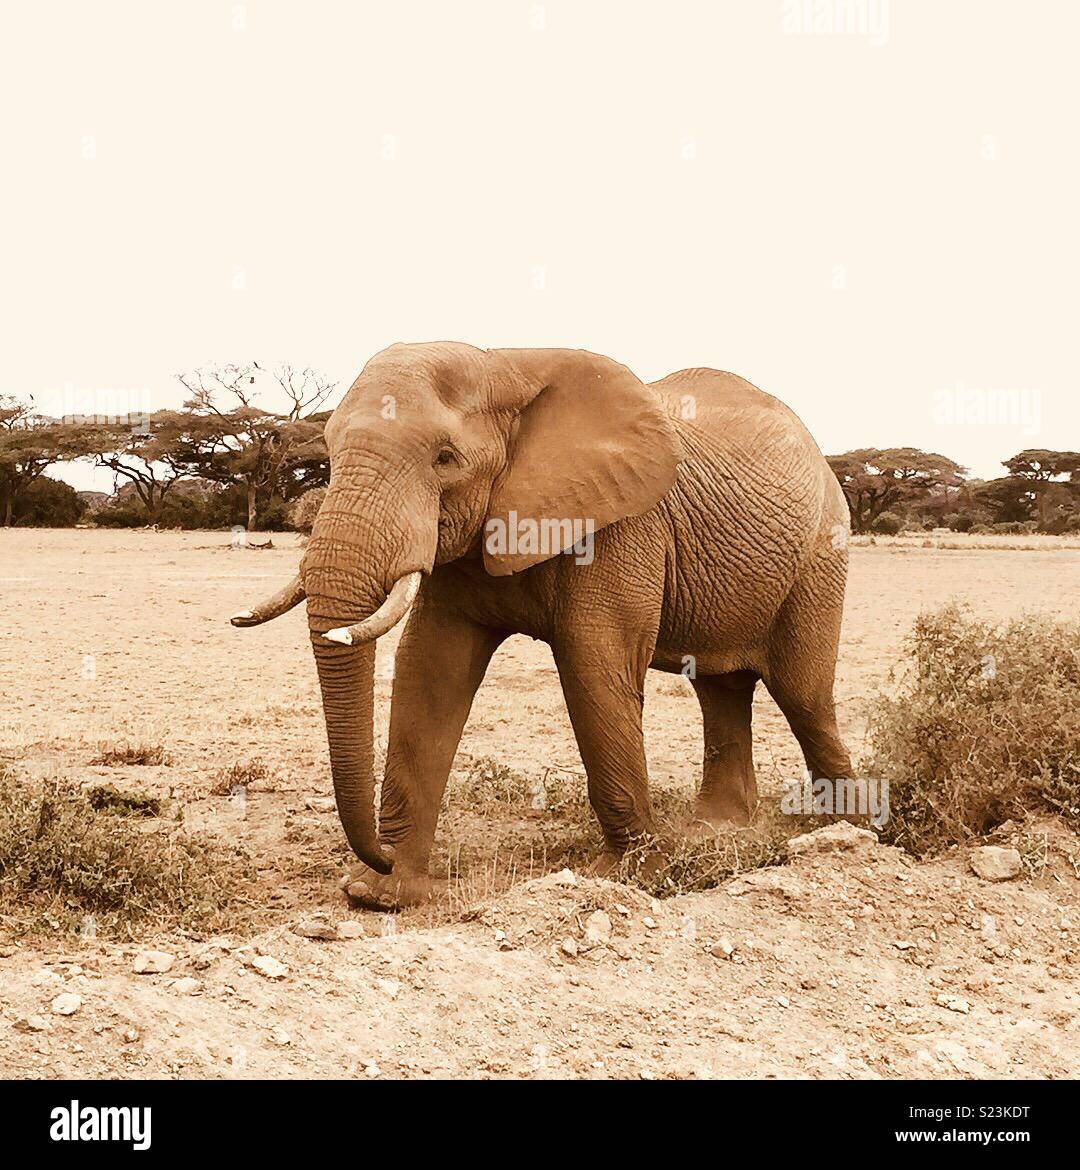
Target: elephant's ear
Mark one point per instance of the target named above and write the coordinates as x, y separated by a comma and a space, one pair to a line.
592, 445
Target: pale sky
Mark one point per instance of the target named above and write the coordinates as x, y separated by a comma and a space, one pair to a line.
877, 225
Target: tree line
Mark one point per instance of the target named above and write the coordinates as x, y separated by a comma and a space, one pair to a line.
902, 487
223, 460
220, 460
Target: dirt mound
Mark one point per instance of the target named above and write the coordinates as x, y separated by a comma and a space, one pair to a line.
845, 962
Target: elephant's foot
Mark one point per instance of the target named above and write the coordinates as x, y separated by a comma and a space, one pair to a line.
391, 891
605, 866
639, 862
719, 813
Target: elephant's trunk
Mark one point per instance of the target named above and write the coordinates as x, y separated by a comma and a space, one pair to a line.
358, 575
347, 681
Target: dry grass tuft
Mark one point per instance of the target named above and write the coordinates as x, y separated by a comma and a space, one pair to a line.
674, 863
241, 775
68, 865
131, 754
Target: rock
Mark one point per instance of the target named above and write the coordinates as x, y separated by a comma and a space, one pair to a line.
565, 877
831, 839
280, 1037
598, 929
186, 986
954, 1004
153, 962
995, 863
648, 923
350, 930
32, 1024
316, 928
724, 948
569, 946
269, 967
65, 1004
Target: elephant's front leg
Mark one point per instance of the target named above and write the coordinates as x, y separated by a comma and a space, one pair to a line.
604, 689
440, 663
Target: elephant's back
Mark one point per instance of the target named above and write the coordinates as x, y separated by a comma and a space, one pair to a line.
748, 506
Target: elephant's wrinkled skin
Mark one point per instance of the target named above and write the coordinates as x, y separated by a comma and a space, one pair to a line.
720, 551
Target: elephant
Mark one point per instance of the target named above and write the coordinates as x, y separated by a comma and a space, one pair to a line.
690, 525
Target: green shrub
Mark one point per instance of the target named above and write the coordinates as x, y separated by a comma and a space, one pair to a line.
1065, 523
986, 727
887, 524
48, 503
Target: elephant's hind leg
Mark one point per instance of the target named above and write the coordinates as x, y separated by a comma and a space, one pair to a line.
801, 671
728, 788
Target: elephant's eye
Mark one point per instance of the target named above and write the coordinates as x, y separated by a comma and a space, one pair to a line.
446, 457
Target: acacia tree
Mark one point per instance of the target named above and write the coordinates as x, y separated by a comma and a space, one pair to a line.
875, 480
224, 436
145, 456
1042, 473
30, 443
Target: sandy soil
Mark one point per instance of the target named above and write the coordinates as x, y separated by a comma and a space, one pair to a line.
853, 963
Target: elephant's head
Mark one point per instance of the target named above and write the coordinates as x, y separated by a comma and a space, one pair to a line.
432, 446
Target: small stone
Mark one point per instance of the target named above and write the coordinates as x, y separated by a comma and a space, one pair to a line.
995, 863
269, 967
350, 930
569, 946
65, 1004
649, 923
723, 948
186, 986
280, 1037
831, 839
565, 877
597, 929
317, 928
904, 944
783, 1001
153, 962
32, 1024
372, 1069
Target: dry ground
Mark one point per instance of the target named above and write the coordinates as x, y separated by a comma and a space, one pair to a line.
848, 964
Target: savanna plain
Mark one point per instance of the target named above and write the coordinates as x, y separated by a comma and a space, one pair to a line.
188, 921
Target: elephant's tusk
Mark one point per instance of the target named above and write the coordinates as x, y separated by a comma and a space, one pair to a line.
280, 603
397, 604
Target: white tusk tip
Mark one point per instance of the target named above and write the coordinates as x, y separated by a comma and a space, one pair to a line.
242, 618
341, 634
